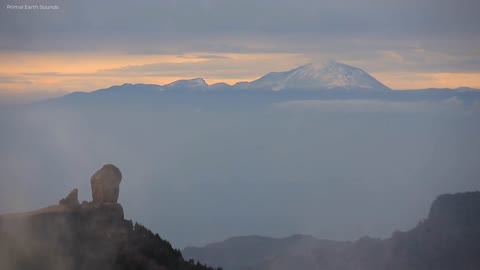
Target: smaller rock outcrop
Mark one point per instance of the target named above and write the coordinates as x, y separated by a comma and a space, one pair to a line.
71, 199
106, 185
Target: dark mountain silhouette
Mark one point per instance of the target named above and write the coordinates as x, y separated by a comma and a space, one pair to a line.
87, 236
448, 239
259, 252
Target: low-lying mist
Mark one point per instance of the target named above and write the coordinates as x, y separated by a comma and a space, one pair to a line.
201, 176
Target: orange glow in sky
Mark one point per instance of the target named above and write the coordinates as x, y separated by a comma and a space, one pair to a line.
30, 72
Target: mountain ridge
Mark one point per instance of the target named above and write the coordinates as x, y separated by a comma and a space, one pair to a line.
321, 80
313, 76
453, 221
318, 75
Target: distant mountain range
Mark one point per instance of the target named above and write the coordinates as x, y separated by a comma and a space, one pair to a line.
264, 253
322, 80
314, 76
448, 239
324, 75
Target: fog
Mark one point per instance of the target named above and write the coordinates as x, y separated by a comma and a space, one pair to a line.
199, 176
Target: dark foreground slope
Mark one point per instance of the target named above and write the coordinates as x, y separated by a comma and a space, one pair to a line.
83, 238
448, 239
87, 236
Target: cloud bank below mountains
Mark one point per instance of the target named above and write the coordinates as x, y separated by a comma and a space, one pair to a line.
448, 106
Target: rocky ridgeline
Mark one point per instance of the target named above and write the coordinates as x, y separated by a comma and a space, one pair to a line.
103, 214
85, 236
53, 234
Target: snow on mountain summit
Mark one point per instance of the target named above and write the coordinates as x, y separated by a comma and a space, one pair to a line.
197, 83
318, 75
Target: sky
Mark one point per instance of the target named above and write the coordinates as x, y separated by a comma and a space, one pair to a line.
87, 45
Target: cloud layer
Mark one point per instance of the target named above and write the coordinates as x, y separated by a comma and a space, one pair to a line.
449, 106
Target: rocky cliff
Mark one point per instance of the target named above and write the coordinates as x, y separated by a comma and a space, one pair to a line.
87, 236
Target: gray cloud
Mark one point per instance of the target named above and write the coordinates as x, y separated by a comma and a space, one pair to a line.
11, 79
207, 57
128, 24
356, 32
223, 67
56, 74
216, 66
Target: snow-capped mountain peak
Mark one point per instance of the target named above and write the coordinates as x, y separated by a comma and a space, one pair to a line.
319, 75
197, 83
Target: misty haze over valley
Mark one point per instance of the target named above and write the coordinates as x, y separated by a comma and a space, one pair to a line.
201, 165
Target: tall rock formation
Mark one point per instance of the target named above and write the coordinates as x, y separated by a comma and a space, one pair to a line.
106, 184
